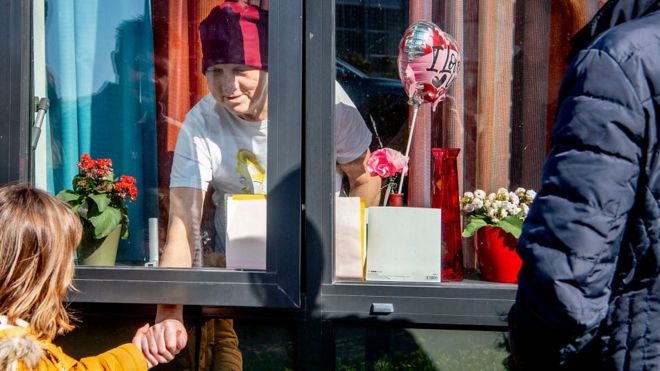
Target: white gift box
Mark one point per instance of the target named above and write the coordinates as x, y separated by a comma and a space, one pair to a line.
246, 232
403, 244
349, 238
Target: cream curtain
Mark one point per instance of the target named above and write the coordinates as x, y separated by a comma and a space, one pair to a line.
495, 72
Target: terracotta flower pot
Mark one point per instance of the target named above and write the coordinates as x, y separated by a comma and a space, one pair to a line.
498, 259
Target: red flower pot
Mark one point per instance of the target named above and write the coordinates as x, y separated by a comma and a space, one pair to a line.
395, 199
498, 259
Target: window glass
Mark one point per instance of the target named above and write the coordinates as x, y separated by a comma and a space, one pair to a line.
221, 344
212, 344
491, 131
175, 94
385, 348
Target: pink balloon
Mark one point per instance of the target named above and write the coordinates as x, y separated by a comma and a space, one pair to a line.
429, 60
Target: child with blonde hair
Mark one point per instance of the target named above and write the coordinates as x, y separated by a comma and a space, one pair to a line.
38, 235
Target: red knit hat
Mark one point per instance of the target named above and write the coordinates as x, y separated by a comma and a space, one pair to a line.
235, 33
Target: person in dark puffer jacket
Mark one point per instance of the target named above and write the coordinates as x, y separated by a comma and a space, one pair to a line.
589, 288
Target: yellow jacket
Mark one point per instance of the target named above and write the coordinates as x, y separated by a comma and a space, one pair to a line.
18, 347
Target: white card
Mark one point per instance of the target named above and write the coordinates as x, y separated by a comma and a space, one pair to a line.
404, 244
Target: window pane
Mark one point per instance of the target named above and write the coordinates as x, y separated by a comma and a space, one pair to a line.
175, 93
263, 344
383, 348
493, 124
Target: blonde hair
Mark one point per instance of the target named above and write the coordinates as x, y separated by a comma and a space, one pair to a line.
38, 235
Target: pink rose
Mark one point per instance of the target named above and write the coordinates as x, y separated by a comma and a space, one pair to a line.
387, 162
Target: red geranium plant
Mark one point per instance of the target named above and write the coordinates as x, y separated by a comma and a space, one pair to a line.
99, 198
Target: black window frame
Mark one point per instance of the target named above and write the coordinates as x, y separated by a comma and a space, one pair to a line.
470, 303
16, 90
279, 285
302, 87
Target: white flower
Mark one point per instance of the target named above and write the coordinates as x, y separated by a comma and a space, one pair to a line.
514, 199
529, 195
511, 208
525, 210
502, 194
466, 199
497, 205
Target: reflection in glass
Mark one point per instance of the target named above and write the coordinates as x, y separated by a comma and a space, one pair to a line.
367, 36
99, 63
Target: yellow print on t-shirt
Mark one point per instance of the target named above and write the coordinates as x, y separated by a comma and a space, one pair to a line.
251, 171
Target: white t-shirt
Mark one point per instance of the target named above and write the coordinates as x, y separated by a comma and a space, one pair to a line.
216, 147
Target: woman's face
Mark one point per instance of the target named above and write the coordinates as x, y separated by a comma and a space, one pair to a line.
241, 89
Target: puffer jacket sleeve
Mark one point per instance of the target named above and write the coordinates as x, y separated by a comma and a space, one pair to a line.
571, 238
125, 357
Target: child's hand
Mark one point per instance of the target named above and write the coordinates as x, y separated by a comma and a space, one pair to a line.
163, 341
137, 341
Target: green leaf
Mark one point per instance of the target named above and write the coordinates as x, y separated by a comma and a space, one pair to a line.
124, 229
69, 197
105, 222
101, 200
473, 225
511, 224
88, 244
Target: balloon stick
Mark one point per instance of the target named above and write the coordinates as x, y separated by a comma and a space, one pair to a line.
410, 136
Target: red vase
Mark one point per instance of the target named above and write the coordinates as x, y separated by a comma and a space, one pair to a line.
395, 199
445, 197
498, 259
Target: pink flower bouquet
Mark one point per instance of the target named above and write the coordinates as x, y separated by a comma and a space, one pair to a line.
387, 163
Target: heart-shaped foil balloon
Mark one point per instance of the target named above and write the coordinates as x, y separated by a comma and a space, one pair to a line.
429, 60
